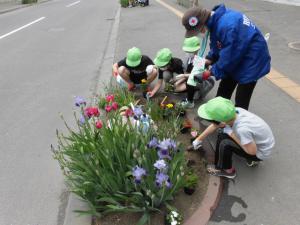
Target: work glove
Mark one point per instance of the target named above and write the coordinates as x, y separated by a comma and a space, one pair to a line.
197, 144
227, 130
206, 74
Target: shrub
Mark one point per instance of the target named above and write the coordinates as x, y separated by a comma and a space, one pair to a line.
118, 166
29, 1
124, 3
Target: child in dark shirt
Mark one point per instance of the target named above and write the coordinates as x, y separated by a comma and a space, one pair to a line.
134, 68
167, 66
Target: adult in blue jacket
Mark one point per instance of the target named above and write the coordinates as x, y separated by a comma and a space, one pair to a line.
238, 55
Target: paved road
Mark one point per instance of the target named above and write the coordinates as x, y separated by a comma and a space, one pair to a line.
42, 67
269, 194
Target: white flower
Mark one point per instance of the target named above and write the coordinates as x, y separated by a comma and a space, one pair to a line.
174, 223
175, 214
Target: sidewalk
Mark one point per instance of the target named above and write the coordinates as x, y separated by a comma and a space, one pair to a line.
267, 194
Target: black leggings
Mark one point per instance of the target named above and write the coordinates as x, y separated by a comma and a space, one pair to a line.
224, 149
243, 92
190, 92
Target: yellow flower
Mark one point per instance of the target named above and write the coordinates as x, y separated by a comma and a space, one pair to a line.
169, 106
144, 81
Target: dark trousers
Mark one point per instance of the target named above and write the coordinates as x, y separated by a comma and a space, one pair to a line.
190, 92
224, 149
243, 92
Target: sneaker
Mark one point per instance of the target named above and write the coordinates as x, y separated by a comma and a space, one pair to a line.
251, 163
221, 173
187, 105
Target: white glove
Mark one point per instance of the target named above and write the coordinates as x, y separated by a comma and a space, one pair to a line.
197, 144
149, 69
227, 130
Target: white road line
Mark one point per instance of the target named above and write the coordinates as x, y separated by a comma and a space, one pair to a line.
20, 28
74, 3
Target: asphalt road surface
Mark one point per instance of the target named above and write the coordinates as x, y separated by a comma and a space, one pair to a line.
49, 53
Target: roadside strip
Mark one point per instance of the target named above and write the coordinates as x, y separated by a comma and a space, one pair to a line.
281, 81
21, 28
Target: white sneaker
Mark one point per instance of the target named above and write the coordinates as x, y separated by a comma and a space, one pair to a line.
187, 105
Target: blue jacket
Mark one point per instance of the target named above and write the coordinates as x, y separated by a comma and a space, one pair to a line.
237, 46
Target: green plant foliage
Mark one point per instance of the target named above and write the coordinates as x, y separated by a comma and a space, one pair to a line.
124, 3
100, 164
191, 179
29, 1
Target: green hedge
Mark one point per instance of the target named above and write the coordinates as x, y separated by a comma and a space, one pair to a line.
29, 1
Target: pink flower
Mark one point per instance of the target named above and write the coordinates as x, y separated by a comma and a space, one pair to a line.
110, 98
91, 111
194, 133
129, 112
114, 105
108, 108
99, 124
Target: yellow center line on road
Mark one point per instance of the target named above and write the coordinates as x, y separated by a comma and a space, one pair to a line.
284, 83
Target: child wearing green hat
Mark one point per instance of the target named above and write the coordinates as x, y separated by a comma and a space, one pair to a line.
167, 66
196, 88
242, 133
134, 68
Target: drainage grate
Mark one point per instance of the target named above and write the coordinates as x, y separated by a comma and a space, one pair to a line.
294, 45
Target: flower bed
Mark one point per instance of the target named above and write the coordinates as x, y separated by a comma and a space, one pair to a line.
123, 157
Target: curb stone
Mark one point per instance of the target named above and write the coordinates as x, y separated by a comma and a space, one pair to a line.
214, 189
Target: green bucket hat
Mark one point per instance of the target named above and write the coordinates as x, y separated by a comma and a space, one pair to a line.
191, 44
163, 57
218, 109
134, 56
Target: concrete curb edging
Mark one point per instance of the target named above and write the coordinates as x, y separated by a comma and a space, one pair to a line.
73, 218
209, 203
212, 196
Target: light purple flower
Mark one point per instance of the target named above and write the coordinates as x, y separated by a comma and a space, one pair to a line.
162, 179
166, 144
173, 144
81, 120
153, 143
79, 101
138, 111
138, 173
163, 154
160, 165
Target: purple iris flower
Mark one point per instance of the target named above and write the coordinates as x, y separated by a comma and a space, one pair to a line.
163, 154
138, 111
162, 179
153, 143
167, 144
173, 144
81, 120
79, 101
161, 165
138, 173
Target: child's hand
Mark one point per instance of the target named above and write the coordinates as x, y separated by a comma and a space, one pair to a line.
150, 94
